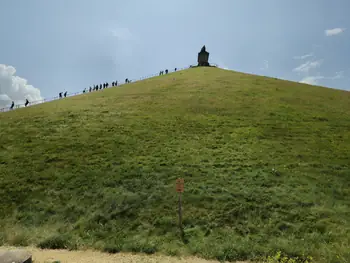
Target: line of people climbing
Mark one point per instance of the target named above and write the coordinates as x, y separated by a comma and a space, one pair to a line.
166, 72
13, 104
94, 88
104, 86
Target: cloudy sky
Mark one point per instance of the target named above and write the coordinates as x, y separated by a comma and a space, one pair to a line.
52, 46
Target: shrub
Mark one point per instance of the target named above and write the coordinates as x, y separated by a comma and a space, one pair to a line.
54, 242
279, 258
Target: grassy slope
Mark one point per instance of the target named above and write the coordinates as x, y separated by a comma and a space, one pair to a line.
99, 170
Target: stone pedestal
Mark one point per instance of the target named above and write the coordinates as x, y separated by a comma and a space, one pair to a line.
15, 256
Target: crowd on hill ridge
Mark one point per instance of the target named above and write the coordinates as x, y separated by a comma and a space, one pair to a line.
93, 88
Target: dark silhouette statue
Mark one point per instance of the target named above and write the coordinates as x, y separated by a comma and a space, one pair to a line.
203, 57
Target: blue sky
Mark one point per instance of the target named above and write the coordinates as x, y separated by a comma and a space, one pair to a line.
72, 44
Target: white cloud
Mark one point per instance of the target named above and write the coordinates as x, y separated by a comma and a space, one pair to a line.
14, 88
223, 66
334, 31
338, 75
122, 33
266, 65
304, 56
307, 66
312, 80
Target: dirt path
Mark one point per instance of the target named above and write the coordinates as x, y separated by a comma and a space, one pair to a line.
64, 256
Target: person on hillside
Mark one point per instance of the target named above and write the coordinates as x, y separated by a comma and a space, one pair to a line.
100, 86
107, 84
84, 90
166, 71
126, 80
60, 95
175, 69
27, 102
12, 105
116, 83
113, 84
90, 89
65, 94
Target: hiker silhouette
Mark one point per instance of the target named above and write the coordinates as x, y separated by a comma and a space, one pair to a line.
27, 102
12, 105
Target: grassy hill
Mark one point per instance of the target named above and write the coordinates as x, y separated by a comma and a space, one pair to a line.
266, 165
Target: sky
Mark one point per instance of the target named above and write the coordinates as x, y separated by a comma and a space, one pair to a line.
51, 46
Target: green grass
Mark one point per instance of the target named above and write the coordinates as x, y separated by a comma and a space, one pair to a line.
266, 165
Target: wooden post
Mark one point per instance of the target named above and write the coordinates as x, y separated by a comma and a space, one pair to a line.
180, 216
180, 189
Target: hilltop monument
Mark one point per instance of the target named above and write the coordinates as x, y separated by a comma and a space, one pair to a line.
203, 58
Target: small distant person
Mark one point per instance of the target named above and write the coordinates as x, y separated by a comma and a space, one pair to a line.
166, 71
175, 69
116, 83
107, 85
60, 95
65, 94
126, 81
84, 90
27, 102
90, 89
100, 86
113, 84
12, 105
160, 73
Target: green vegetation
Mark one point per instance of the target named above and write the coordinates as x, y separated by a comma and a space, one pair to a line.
279, 258
266, 165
